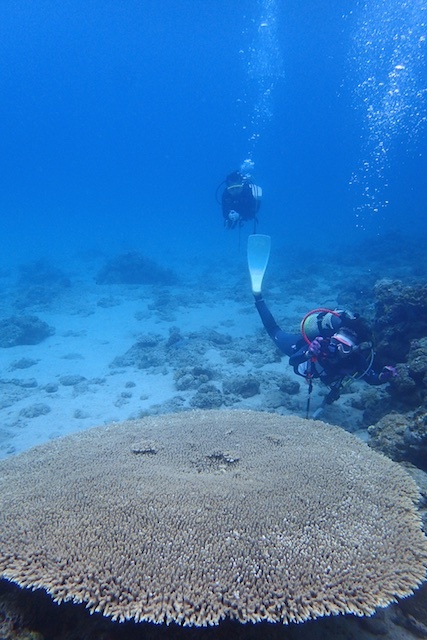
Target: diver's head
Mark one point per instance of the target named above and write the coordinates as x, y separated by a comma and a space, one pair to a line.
234, 178
235, 183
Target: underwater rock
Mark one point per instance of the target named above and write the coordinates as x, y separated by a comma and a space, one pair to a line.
217, 339
79, 414
289, 386
243, 386
17, 613
402, 437
257, 350
415, 437
41, 272
23, 363
19, 330
375, 403
417, 360
39, 283
278, 391
175, 337
134, 268
412, 613
401, 332
409, 388
147, 352
192, 377
35, 410
24, 383
417, 365
51, 387
388, 435
207, 397
178, 350
401, 316
166, 302
275, 399
11, 393
71, 380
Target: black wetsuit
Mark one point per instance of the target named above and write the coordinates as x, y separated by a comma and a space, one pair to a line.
241, 200
329, 368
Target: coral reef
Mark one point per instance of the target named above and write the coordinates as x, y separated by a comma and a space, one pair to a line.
402, 437
179, 352
35, 410
401, 316
241, 386
192, 377
401, 331
31, 615
194, 517
147, 352
409, 389
17, 330
207, 396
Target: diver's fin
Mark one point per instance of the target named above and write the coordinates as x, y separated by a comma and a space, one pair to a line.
258, 255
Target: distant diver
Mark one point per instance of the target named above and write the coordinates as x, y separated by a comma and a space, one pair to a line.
241, 198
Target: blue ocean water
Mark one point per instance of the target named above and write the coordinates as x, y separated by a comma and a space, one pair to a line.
118, 120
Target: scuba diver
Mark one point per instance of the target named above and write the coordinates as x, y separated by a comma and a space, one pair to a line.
334, 346
241, 198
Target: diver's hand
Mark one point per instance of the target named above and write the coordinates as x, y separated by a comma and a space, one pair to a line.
388, 373
315, 347
233, 218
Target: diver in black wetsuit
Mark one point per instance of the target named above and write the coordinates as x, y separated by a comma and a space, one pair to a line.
240, 201
332, 346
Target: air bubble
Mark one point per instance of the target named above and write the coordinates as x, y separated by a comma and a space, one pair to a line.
388, 59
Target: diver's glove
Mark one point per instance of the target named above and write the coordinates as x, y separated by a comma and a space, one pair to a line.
388, 373
315, 347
